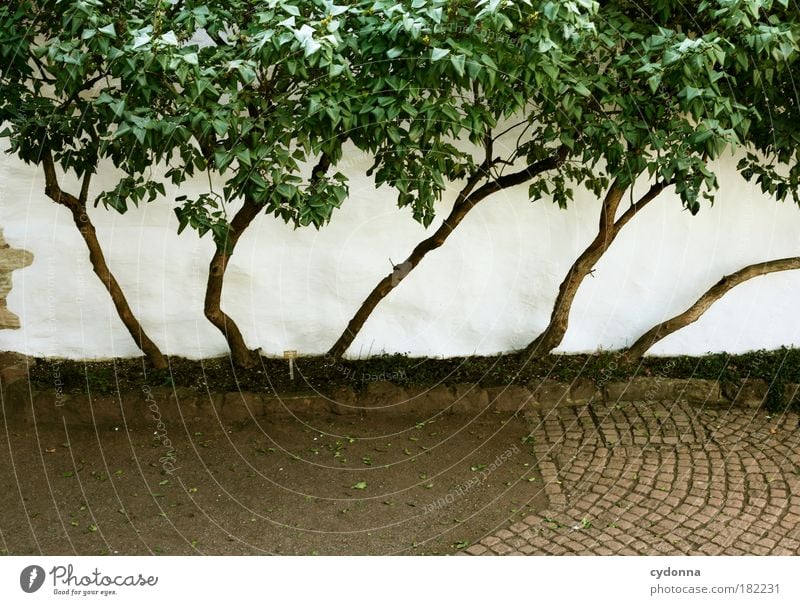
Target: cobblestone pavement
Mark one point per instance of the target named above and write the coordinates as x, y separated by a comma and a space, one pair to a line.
655, 479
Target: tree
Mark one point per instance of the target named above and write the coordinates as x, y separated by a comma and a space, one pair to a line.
671, 96
278, 87
477, 68
765, 63
605, 98
70, 71
251, 103
694, 312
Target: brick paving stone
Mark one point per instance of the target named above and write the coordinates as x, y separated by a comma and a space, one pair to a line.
502, 549
679, 479
782, 551
516, 543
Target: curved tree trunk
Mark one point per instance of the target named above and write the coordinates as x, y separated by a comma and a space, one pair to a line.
241, 355
557, 327
391, 281
693, 313
466, 201
77, 207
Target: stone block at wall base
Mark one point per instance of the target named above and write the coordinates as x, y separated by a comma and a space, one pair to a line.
696, 390
383, 398
512, 398
343, 401
241, 406
428, 402
549, 394
792, 394
584, 391
469, 399
640, 389
378, 399
15, 390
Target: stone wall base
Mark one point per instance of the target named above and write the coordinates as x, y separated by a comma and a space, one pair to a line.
385, 399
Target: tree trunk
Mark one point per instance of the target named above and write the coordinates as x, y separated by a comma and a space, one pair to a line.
559, 317
693, 313
465, 202
77, 207
609, 228
124, 311
241, 355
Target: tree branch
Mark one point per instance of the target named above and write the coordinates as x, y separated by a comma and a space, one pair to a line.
51, 186
48, 79
609, 209
466, 200
86, 86
84, 194
321, 169
509, 129
648, 197
488, 145
608, 230
97, 259
693, 313
530, 171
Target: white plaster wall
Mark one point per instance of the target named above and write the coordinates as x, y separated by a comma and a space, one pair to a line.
489, 289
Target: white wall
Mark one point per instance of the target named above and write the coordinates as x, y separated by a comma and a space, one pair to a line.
489, 289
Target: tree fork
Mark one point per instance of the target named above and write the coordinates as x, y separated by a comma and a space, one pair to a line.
242, 356
77, 207
608, 230
466, 201
693, 313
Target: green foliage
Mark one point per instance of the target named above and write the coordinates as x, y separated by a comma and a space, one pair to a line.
74, 83
766, 59
255, 94
776, 368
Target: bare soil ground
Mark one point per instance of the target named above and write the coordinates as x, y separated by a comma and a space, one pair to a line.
328, 486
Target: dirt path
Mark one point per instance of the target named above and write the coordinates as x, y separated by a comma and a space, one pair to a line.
325, 486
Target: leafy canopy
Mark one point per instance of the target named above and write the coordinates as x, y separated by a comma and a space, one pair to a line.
257, 92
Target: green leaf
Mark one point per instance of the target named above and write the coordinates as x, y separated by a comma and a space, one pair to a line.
690, 92
489, 62
108, 30
582, 90
439, 53
220, 126
243, 155
291, 9
285, 190
671, 56
458, 63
